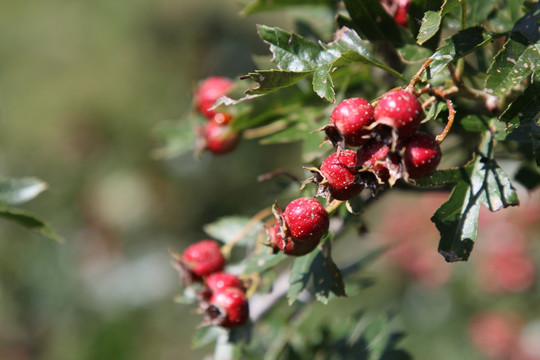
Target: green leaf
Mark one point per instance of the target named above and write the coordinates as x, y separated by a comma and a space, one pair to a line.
432, 21
456, 47
414, 53
372, 20
30, 222
176, 137
319, 268
524, 109
514, 63
234, 228
262, 261
264, 5
297, 58
478, 11
457, 219
443, 177
205, 335
21, 190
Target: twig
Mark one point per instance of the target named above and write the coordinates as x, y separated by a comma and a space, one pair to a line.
417, 76
451, 111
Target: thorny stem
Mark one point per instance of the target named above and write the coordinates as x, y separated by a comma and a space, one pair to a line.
227, 248
451, 111
417, 76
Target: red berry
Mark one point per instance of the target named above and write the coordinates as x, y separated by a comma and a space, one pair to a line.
202, 259
219, 139
340, 172
374, 156
221, 280
306, 220
421, 156
350, 117
401, 16
289, 246
401, 110
210, 90
228, 308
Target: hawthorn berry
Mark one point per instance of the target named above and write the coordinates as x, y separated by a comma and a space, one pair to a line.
221, 280
306, 220
340, 172
202, 259
401, 16
375, 157
210, 90
287, 245
400, 110
228, 308
421, 155
219, 138
350, 117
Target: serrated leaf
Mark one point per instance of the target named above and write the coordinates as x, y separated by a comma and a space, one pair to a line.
297, 58
525, 108
455, 47
432, 21
318, 268
457, 218
255, 6
515, 62
176, 138
20, 190
234, 228
30, 222
372, 20
262, 261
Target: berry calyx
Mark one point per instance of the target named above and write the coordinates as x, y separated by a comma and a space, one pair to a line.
400, 110
219, 138
287, 245
306, 220
221, 280
228, 308
375, 158
201, 259
340, 171
210, 90
350, 117
421, 155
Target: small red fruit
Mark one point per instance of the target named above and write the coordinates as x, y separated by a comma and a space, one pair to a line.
202, 259
340, 172
350, 117
210, 90
400, 110
221, 280
289, 246
375, 157
421, 156
228, 308
306, 220
219, 138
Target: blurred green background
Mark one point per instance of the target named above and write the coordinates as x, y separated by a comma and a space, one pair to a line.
82, 86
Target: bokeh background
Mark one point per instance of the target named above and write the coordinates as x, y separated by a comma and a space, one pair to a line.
83, 85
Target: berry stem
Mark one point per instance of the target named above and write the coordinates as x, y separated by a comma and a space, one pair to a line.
417, 76
451, 111
333, 206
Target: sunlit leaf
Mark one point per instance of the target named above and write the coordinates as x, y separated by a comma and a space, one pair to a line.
20, 190
234, 228
262, 261
485, 184
432, 20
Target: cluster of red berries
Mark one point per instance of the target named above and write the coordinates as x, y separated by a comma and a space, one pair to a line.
221, 295
388, 146
216, 135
